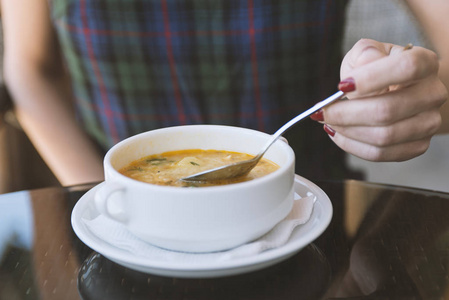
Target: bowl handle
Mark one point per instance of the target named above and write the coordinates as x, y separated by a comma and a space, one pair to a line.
109, 201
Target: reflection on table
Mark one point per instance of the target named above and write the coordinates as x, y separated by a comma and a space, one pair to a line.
384, 242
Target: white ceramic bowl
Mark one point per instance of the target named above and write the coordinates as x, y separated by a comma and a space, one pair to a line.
201, 219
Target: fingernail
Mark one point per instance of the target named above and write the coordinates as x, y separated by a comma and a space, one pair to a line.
318, 116
329, 130
347, 85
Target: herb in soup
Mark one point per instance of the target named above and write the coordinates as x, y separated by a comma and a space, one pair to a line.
168, 167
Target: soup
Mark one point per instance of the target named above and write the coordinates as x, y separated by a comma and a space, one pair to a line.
167, 168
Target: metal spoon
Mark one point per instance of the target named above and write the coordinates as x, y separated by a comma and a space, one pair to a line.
242, 168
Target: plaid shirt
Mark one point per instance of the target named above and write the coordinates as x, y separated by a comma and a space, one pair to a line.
137, 65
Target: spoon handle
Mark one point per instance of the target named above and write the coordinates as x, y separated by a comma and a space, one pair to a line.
338, 95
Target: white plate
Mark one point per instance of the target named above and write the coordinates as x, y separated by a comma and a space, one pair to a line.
301, 237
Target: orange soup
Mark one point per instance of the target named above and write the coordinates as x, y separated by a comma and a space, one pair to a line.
167, 168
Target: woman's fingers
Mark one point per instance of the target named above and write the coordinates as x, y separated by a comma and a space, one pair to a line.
422, 126
397, 152
376, 66
388, 108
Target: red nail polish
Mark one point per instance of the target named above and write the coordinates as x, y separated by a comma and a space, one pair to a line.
318, 116
347, 85
329, 130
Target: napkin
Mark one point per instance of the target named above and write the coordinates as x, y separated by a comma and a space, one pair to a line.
118, 236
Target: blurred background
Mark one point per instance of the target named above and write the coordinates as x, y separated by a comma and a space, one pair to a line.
384, 20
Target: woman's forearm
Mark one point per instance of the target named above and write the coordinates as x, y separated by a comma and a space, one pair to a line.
37, 82
43, 109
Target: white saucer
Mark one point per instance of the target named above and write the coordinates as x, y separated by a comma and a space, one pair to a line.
301, 237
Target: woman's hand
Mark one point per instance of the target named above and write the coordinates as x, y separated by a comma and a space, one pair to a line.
394, 102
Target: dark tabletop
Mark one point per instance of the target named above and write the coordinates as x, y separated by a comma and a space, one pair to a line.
384, 242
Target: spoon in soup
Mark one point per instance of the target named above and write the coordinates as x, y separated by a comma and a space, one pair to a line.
242, 168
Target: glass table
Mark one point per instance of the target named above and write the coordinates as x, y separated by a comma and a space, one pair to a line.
384, 242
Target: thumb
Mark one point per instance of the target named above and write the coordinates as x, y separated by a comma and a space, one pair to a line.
368, 54
364, 51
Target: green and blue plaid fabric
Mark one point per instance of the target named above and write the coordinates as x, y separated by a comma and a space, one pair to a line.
138, 65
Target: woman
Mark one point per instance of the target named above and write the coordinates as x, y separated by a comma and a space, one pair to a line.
139, 65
